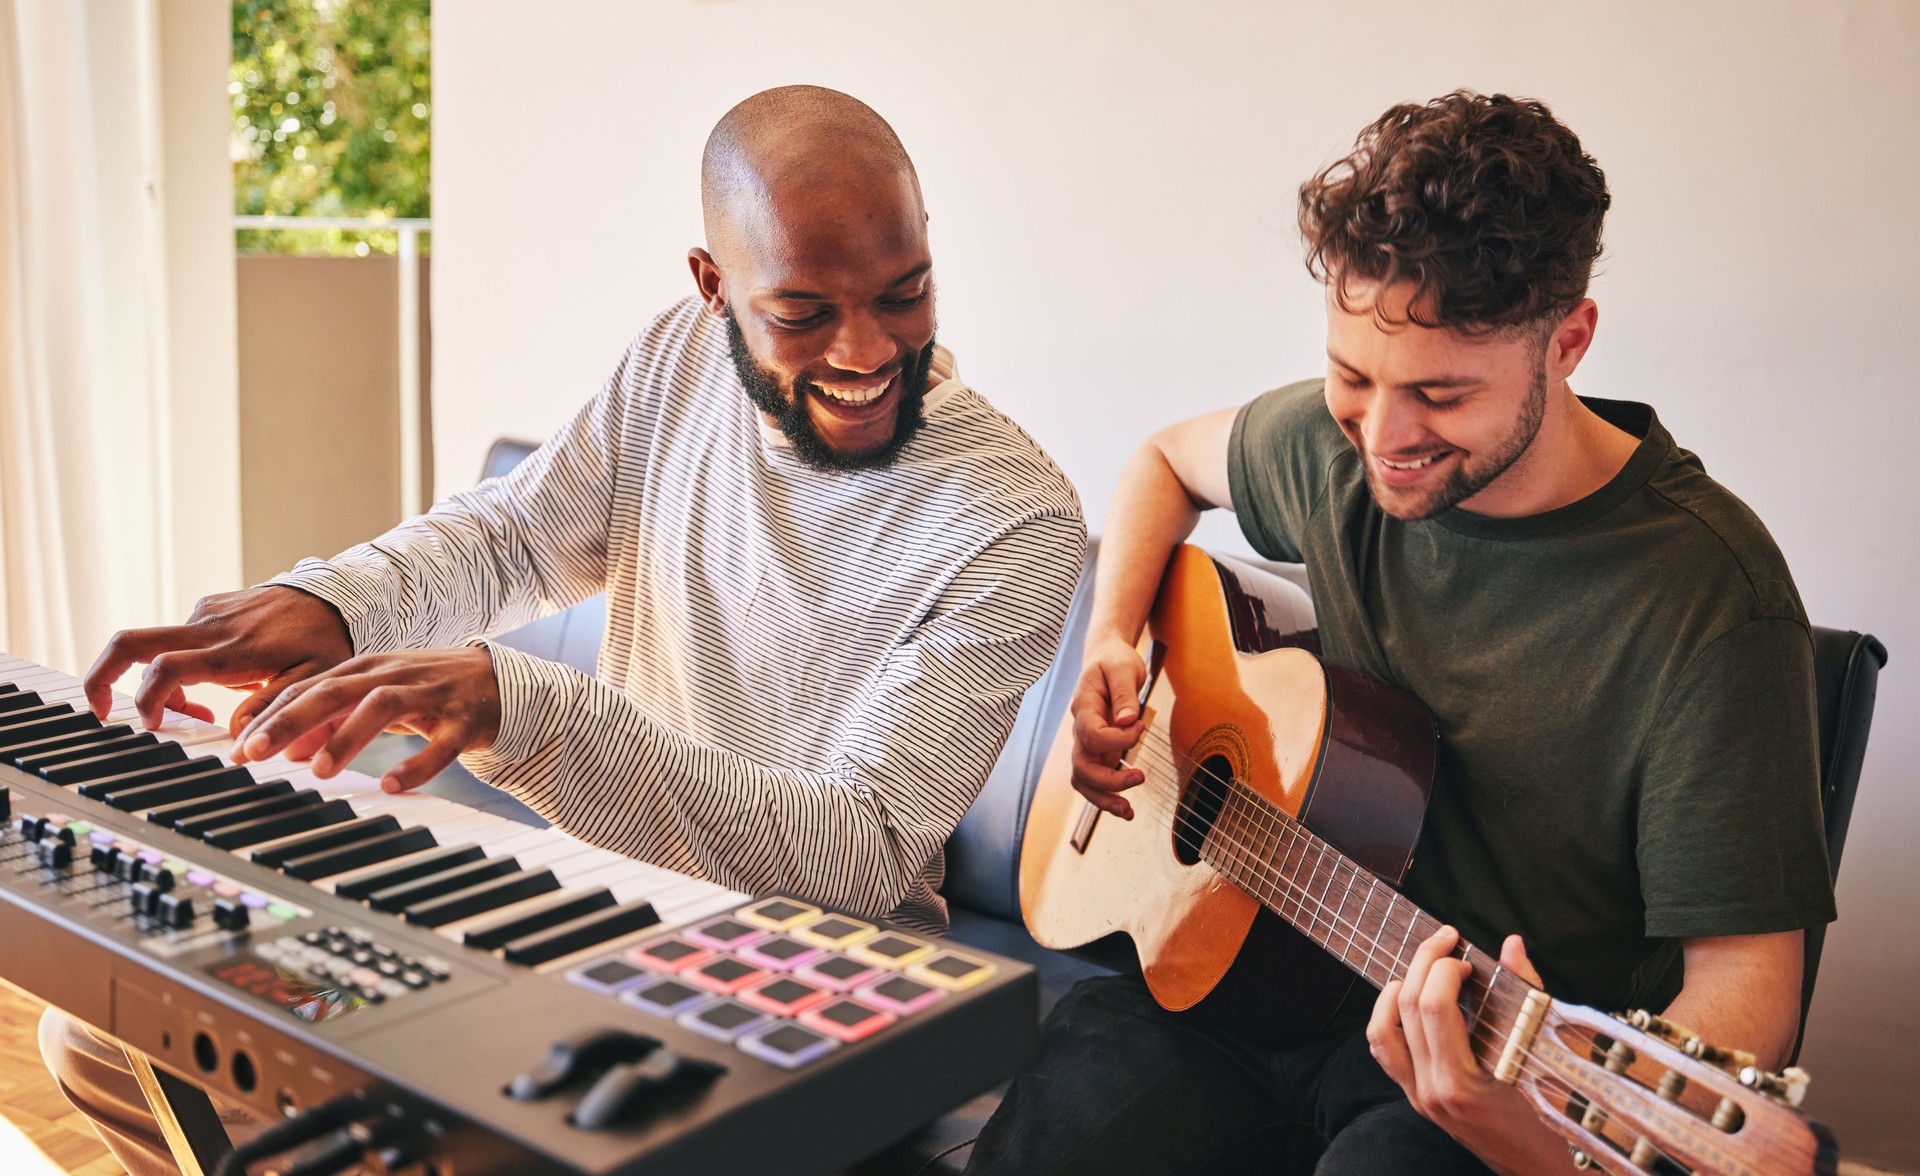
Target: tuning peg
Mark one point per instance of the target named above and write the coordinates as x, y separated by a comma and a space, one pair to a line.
1789, 1085
1731, 1060
1670, 1031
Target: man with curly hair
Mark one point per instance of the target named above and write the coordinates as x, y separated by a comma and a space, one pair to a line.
1618, 664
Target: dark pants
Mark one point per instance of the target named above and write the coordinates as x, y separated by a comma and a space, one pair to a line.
1122, 1086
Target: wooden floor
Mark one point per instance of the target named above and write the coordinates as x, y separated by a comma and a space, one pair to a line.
41, 1135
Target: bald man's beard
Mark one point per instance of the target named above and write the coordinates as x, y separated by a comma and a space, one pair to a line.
790, 416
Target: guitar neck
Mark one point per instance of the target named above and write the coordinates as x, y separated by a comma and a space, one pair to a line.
1346, 909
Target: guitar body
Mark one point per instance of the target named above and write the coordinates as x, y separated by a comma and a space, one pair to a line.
1350, 757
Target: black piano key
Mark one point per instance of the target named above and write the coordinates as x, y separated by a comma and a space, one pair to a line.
46, 759
80, 771
139, 798
513, 925
171, 814
42, 721
277, 825
246, 810
395, 898
8, 688
490, 895
332, 837
18, 699
141, 777
581, 933
437, 862
14, 755
359, 854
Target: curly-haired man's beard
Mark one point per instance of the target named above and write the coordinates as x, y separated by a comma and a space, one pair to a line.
789, 412
1471, 476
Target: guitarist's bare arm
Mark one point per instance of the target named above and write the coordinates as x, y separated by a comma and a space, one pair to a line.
1179, 472
1744, 990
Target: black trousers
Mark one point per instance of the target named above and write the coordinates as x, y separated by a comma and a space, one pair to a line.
1122, 1086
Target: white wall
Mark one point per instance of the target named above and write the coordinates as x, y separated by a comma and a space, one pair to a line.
1112, 188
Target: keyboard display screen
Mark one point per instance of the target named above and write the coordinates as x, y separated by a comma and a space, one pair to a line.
309, 1000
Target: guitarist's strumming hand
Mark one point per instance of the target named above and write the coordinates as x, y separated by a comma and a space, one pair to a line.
1419, 1036
1106, 724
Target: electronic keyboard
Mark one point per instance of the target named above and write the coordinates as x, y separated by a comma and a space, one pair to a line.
519, 1001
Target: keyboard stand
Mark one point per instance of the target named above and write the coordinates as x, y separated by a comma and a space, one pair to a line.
187, 1119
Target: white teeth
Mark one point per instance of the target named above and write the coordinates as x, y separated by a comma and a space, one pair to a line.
1423, 463
856, 395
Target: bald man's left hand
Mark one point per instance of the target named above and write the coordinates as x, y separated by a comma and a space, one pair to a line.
449, 696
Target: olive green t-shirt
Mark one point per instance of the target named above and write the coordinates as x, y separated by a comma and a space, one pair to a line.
1623, 689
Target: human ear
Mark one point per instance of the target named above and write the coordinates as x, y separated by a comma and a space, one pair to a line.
1570, 339
708, 282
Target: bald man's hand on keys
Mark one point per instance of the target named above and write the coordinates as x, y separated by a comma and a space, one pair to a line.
260, 639
311, 698
449, 696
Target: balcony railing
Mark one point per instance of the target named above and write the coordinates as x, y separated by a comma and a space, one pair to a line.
408, 229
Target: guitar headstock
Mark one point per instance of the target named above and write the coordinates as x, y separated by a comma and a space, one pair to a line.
1634, 1093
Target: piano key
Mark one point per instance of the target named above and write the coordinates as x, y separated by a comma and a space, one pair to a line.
18, 699
332, 837
191, 732
365, 852
41, 722
140, 777
395, 898
246, 810
481, 898
169, 814
248, 833
46, 759
538, 915
14, 755
581, 933
79, 771
141, 797
557, 852
364, 884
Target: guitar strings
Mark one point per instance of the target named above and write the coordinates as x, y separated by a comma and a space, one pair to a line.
1161, 807
1479, 1032
1547, 1082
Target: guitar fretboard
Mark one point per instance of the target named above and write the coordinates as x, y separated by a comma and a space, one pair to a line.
1346, 909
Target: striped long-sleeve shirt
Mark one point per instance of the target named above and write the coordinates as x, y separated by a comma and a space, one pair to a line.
806, 675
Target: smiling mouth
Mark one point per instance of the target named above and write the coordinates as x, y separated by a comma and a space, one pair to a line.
855, 393
1417, 464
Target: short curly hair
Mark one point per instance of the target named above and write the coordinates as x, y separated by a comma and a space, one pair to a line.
1487, 205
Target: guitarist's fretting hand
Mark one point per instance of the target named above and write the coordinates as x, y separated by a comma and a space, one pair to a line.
1419, 1037
1106, 724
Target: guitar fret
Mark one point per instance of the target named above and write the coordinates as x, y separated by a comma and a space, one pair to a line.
1290, 867
1269, 843
1400, 953
1366, 908
1481, 1008
1321, 902
1339, 912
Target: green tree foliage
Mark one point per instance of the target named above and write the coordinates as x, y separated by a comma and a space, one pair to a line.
331, 111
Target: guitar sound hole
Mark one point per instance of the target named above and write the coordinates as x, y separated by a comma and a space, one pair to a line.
1200, 804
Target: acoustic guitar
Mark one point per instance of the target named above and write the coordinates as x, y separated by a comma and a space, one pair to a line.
1282, 801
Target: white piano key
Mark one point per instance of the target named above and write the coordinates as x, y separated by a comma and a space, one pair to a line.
329, 884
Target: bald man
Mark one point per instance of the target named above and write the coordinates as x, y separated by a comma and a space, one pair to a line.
831, 571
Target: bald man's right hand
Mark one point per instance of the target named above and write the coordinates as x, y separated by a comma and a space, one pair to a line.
259, 639
1106, 725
